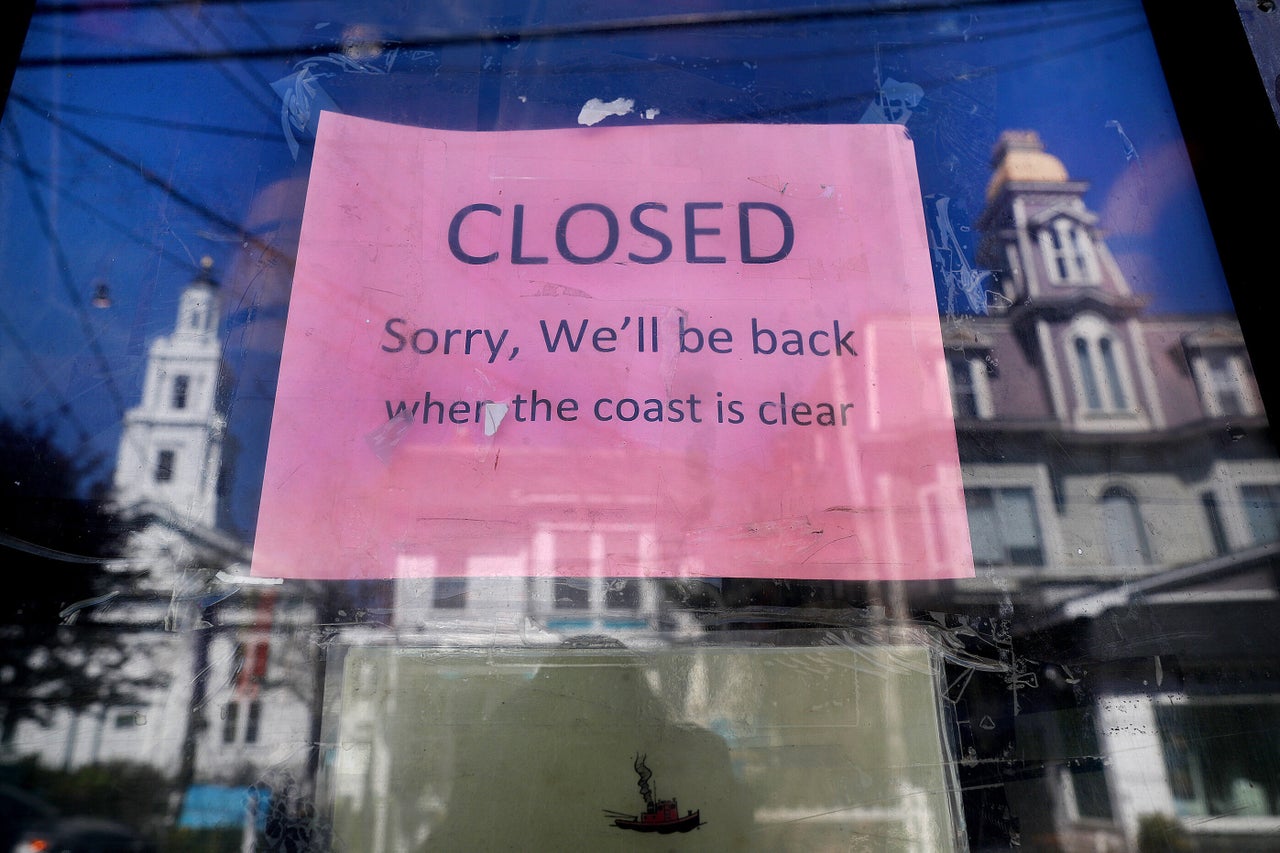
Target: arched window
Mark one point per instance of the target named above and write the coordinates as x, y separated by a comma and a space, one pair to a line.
1111, 370
1088, 375
1125, 535
1103, 382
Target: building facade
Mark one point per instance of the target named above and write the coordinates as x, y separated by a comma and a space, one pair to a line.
1120, 479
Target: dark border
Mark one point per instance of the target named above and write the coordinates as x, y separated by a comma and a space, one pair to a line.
15, 20
1234, 144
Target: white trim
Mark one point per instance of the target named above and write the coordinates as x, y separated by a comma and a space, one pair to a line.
1150, 387
1053, 374
1030, 277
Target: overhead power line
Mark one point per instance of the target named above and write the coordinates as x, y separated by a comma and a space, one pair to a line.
187, 201
45, 221
519, 34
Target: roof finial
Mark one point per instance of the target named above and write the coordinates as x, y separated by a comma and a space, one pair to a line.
205, 276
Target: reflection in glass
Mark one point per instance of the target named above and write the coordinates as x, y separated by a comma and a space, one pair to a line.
1223, 758
1262, 507
1004, 527
1093, 399
1125, 537
210, 691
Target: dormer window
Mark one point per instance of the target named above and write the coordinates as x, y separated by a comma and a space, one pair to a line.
1100, 374
1223, 377
1068, 252
1102, 380
970, 390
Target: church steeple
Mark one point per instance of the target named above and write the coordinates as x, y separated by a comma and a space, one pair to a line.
171, 449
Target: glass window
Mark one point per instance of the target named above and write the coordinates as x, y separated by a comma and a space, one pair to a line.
1088, 375
1126, 536
450, 593
230, 722
1069, 254
181, 387
1112, 371
1099, 367
506, 425
572, 594
1220, 762
1086, 768
1224, 381
252, 721
1262, 508
1004, 526
621, 594
165, 461
970, 392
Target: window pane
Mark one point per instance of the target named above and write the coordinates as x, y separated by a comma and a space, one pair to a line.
1084, 360
450, 593
1126, 538
1003, 527
1262, 507
1224, 385
1222, 758
1112, 373
180, 385
164, 466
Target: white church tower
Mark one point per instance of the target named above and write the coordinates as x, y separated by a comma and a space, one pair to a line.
171, 449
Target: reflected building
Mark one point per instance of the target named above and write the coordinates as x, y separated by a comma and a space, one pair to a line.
226, 669
1097, 440
1122, 490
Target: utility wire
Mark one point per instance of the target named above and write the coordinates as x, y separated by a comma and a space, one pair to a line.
150, 121
250, 95
45, 221
139, 5
70, 195
147, 175
528, 34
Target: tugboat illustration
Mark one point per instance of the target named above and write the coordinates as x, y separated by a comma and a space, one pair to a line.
661, 816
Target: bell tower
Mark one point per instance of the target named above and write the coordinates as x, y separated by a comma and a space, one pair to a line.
1064, 294
171, 449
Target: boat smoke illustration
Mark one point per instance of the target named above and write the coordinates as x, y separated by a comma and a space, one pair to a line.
661, 816
645, 773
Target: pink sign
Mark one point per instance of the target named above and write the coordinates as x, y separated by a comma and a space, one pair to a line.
615, 352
